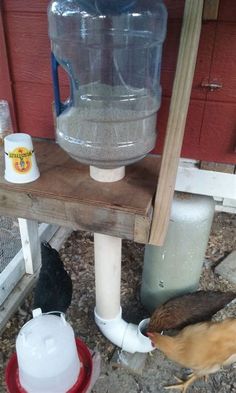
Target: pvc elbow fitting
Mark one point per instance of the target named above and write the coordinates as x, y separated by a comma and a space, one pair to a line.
125, 335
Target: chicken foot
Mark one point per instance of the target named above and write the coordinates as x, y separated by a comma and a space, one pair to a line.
183, 385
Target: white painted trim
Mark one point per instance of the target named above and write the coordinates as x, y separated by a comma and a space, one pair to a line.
198, 181
29, 234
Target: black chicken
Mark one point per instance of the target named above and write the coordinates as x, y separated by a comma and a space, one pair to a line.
53, 290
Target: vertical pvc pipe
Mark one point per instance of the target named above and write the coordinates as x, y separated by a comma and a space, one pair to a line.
108, 312
107, 251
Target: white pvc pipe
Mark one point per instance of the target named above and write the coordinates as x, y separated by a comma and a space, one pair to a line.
127, 336
108, 313
107, 254
107, 175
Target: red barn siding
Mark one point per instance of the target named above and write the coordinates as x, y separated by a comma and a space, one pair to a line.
211, 122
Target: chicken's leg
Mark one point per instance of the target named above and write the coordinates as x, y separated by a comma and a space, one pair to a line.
183, 385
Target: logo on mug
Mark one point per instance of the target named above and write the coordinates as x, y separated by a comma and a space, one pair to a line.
21, 159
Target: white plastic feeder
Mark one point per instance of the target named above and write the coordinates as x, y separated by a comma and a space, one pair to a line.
47, 356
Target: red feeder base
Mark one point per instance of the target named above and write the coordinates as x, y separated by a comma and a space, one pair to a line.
81, 386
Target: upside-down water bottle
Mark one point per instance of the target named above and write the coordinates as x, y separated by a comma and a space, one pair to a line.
111, 51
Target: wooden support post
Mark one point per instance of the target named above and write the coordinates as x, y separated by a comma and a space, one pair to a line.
188, 48
29, 232
211, 8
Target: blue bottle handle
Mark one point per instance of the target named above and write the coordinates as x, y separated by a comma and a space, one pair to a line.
59, 106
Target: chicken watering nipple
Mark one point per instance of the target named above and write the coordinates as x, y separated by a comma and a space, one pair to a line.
47, 357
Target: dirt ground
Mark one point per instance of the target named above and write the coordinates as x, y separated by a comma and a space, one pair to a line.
77, 254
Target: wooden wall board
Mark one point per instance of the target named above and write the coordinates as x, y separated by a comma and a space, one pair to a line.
223, 69
34, 107
204, 59
6, 91
175, 8
32, 64
227, 11
26, 6
216, 144
191, 143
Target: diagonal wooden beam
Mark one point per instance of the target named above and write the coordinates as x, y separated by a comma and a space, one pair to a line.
189, 41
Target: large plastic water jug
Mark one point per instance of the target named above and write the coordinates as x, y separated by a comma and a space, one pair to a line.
111, 51
47, 357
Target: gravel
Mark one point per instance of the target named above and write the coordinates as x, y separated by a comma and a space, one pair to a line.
77, 254
96, 129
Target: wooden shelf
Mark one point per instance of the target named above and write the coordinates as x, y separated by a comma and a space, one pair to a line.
66, 195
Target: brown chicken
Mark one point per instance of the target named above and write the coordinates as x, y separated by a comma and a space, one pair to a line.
188, 309
203, 347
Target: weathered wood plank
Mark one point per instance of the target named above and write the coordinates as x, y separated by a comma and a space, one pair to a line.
189, 42
65, 179
69, 214
210, 10
66, 195
29, 233
216, 166
142, 228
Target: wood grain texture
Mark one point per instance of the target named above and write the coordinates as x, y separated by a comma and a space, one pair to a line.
211, 9
34, 106
217, 167
66, 195
6, 91
203, 64
191, 141
224, 64
26, 6
227, 11
175, 8
189, 42
215, 143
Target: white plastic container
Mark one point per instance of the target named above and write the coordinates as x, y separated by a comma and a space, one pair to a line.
47, 356
175, 268
111, 51
20, 161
